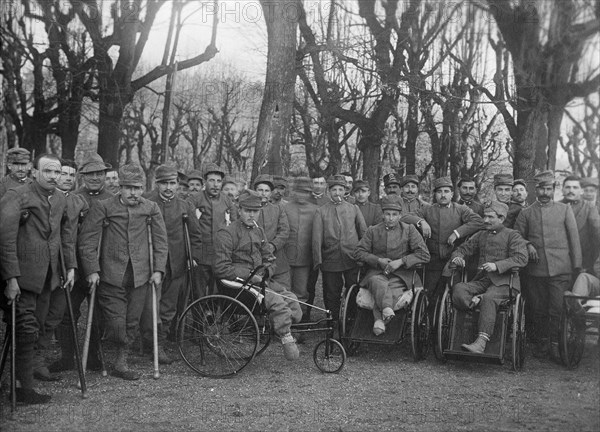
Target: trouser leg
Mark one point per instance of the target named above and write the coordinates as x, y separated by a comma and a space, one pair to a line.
557, 285
299, 283
283, 312
488, 307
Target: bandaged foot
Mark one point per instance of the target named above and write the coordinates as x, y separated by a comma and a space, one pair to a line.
388, 314
404, 300
378, 327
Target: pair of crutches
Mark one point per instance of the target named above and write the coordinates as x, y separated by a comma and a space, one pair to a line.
10, 344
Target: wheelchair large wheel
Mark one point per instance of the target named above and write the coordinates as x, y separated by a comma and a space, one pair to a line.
571, 338
217, 336
518, 334
419, 326
348, 313
329, 356
443, 323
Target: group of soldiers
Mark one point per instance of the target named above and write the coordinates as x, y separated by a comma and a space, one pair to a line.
111, 237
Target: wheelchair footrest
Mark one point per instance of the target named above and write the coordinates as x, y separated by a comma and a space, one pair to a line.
474, 357
464, 331
363, 328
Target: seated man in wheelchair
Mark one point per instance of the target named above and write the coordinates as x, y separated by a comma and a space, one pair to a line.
500, 249
243, 246
390, 249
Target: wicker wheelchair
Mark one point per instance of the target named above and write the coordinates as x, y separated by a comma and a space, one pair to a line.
454, 327
219, 335
356, 323
574, 326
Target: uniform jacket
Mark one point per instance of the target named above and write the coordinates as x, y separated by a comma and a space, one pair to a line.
337, 229
417, 204
403, 241
444, 220
9, 182
502, 246
124, 239
77, 210
215, 213
588, 226
28, 250
298, 248
172, 212
552, 230
93, 196
476, 206
239, 250
320, 200
274, 222
371, 212
514, 209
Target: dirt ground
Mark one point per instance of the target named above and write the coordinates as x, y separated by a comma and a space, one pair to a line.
379, 389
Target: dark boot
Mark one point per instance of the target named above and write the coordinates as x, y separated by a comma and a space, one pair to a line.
24, 370
67, 350
121, 369
31, 397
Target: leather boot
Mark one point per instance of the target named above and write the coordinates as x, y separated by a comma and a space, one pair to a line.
24, 371
477, 347
121, 369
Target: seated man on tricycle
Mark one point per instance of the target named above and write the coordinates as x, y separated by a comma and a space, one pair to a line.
500, 250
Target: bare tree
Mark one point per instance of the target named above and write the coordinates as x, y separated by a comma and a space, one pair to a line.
582, 141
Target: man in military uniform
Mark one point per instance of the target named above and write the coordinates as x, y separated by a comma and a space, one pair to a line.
370, 211
195, 181
503, 184
411, 202
391, 183
183, 188
467, 190
93, 172
121, 269
29, 261
230, 188
77, 208
243, 246
517, 202
337, 228
499, 250
298, 246
349, 181
280, 186
274, 222
442, 224
390, 249
19, 165
172, 209
550, 229
319, 194
590, 190
214, 210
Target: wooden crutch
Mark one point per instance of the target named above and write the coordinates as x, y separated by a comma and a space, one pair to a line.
153, 287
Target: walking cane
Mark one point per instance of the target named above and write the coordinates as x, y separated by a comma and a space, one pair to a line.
190, 262
67, 290
154, 302
13, 355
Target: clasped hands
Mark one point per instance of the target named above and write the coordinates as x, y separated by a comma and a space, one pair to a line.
390, 266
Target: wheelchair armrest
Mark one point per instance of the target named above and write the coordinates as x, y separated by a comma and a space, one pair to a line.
418, 266
515, 270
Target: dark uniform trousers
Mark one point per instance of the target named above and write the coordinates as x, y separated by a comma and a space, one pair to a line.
122, 308
546, 296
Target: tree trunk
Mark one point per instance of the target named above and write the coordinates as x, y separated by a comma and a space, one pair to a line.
276, 110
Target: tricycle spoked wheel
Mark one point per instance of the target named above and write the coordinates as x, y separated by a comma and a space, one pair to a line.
348, 313
518, 334
217, 336
419, 326
329, 356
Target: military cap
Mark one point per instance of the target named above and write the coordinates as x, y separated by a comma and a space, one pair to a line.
18, 155
544, 178
280, 181
411, 178
250, 200
94, 163
131, 175
263, 178
499, 208
589, 181
164, 173
183, 179
229, 180
360, 184
520, 181
390, 178
195, 175
503, 179
442, 182
212, 168
336, 180
303, 184
391, 203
